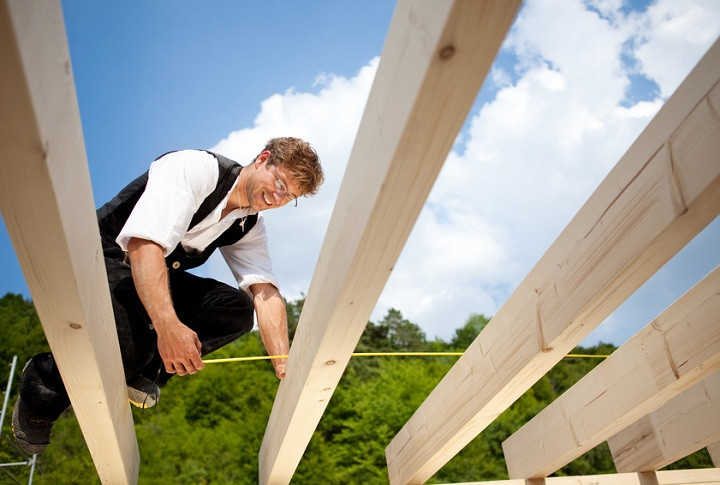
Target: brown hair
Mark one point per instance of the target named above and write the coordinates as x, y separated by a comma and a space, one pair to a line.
299, 161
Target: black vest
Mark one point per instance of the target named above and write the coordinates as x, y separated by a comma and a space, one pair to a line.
113, 215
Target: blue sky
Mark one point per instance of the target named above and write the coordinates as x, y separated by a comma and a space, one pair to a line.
574, 85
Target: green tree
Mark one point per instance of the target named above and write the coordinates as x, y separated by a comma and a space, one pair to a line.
208, 428
293, 309
401, 333
465, 335
571, 369
21, 331
374, 339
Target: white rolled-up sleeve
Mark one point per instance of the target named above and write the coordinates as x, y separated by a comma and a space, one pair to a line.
249, 258
177, 184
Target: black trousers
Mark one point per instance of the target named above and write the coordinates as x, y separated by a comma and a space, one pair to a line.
217, 312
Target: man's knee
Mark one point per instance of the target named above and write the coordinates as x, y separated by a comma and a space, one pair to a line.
226, 315
230, 309
216, 296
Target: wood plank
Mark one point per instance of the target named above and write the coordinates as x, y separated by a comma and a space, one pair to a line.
672, 353
48, 209
714, 451
662, 192
435, 59
682, 426
666, 477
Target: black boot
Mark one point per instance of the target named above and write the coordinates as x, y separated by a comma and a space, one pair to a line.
143, 392
41, 401
31, 432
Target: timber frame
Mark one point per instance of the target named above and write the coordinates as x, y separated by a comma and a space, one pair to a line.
661, 193
45, 183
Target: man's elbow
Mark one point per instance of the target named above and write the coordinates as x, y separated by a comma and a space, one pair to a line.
264, 291
135, 243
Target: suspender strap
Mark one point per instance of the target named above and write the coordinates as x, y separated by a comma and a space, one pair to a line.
229, 171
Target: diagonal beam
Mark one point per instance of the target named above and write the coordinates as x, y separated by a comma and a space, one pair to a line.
662, 192
434, 61
46, 203
684, 425
671, 354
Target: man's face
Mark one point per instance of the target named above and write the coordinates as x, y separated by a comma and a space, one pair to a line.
269, 187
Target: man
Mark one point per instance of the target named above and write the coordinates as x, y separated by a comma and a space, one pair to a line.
168, 220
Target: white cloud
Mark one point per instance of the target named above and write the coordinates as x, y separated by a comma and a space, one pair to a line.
328, 119
673, 36
530, 159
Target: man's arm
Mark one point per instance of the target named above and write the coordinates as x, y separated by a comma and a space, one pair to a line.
272, 322
178, 345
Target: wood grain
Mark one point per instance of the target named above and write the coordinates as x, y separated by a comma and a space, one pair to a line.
48, 209
434, 61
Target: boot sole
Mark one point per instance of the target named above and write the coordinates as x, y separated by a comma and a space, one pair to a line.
28, 447
141, 399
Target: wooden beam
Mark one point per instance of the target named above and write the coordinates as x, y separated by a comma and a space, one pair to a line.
714, 450
682, 426
47, 205
662, 192
700, 476
433, 64
672, 353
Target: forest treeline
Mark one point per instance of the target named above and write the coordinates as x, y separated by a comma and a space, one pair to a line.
208, 428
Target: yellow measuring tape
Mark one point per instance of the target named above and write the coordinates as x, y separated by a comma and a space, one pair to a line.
377, 354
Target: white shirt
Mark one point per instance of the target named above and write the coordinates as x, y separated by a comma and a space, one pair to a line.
177, 184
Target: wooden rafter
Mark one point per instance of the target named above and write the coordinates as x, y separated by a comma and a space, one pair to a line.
684, 425
672, 353
47, 205
663, 191
433, 64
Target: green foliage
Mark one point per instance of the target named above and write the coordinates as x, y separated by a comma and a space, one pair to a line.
570, 370
208, 428
402, 334
22, 334
465, 335
293, 309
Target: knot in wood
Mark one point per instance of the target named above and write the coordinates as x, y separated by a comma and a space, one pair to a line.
75, 326
447, 52
330, 362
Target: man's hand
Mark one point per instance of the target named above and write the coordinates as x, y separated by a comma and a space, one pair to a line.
178, 345
179, 348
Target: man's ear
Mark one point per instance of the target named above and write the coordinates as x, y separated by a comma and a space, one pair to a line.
262, 159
